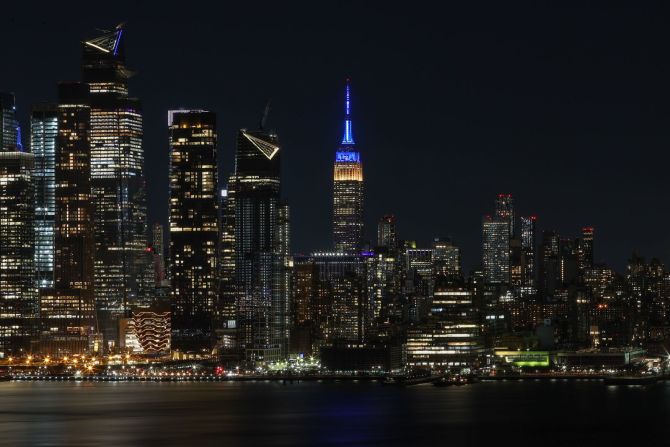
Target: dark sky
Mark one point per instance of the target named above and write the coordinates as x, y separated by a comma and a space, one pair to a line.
564, 107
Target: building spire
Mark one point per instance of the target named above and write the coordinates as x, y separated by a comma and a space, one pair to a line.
348, 137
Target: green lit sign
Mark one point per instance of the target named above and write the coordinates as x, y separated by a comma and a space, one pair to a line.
525, 358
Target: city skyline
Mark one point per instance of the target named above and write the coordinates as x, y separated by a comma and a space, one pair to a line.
462, 129
333, 224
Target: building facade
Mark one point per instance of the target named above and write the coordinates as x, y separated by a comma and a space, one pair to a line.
496, 250
18, 292
43, 135
10, 133
348, 189
194, 226
528, 249
386, 233
117, 179
67, 310
262, 297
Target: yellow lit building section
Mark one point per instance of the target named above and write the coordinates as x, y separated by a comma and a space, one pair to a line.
348, 172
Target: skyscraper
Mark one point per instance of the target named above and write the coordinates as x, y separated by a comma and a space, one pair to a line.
160, 276
386, 233
505, 211
348, 189
228, 298
334, 285
18, 293
447, 260
259, 246
43, 134
419, 281
550, 263
117, 178
585, 250
10, 134
67, 310
496, 250
528, 225
194, 226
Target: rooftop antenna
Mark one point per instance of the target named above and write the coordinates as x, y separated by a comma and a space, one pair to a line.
265, 114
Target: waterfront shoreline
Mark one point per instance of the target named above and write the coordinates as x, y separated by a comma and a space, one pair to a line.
607, 379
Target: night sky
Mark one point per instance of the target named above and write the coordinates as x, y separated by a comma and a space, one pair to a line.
566, 108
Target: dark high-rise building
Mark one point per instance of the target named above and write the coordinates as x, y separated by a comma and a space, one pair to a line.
447, 260
568, 265
528, 230
194, 226
334, 286
496, 250
306, 327
10, 133
550, 263
283, 307
227, 306
348, 189
18, 293
585, 250
419, 281
505, 211
260, 257
67, 310
43, 135
117, 179
158, 246
386, 234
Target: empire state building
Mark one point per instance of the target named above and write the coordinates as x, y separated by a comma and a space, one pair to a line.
348, 189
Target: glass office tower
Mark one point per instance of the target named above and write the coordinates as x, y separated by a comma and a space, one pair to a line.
260, 244
43, 134
117, 179
18, 293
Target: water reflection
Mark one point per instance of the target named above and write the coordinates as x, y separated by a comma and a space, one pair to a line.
232, 414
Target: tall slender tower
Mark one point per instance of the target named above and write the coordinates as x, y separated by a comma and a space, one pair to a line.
261, 238
386, 233
348, 188
18, 293
43, 134
159, 255
194, 226
495, 250
585, 250
505, 211
228, 296
117, 178
67, 311
528, 225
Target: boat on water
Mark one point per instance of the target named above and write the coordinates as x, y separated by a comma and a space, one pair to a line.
454, 380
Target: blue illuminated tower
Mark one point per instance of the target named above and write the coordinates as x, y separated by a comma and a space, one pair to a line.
348, 188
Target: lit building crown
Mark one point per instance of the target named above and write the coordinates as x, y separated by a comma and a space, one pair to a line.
108, 42
348, 137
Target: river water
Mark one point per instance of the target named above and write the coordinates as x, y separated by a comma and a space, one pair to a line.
309, 414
